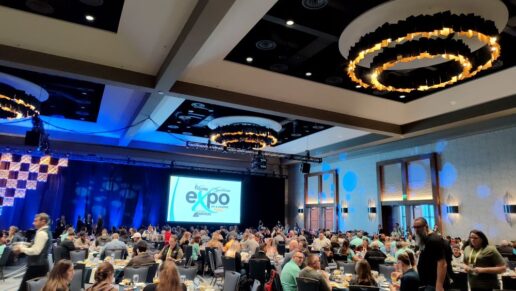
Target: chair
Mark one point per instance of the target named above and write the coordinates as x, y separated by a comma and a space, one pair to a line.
79, 268
152, 272
386, 270
257, 269
77, 280
231, 280
218, 257
307, 284
229, 264
189, 272
129, 272
188, 252
281, 248
256, 286
348, 267
36, 284
119, 254
3, 261
77, 255
375, 262
218, 273
57, 253
363, 288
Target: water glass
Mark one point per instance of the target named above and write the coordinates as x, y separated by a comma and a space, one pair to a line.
342, 270
113, 256
182, 278
136, 278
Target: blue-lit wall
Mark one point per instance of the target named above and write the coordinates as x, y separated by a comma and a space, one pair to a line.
477, 170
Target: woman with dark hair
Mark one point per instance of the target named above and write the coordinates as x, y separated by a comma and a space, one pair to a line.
347, 252
103, 278
482, 262
60, 277
364, 275
168, 279
409, 277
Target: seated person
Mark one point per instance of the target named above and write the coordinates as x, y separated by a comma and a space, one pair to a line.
14, 235
364, 276
321, 242
346, 252
505, 248
168, 279
313, 271
291, 271
409, 277
60, 276
142, 258
234, 252
3, 243
114, 244
270, 249
68, 244
326, 258
250, 245
374, 256
103, 238
82, 242
171, 251
260, 255
103, 278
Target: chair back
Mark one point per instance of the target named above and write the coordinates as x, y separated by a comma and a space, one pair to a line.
36, 284
218, 257
119, 254
231, 280
508, 283
256, 286
349, 267
152, 272
142, 271
281, 248
212, 261
189, 272
229, 263
77, 255
363, 288
375, 262
257, 269
77, 280
57, 253
307, 284
386, 270
188, 252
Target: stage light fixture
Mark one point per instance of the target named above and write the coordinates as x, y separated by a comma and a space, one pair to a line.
259, 162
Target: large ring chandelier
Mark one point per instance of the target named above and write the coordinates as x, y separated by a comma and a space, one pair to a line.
244, 132
19, 98
424, 37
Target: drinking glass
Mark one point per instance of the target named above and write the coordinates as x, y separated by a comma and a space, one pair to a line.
113, 256
136, 278
182, 278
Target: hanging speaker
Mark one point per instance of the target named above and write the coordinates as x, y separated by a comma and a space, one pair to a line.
305, 168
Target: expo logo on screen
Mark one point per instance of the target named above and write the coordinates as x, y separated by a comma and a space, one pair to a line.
213, 199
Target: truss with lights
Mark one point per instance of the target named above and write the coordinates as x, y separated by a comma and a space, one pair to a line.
244, 136
19, 98
424, 37
19, 173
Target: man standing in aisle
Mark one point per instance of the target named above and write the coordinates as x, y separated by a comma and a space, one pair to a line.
432, 263
37, 254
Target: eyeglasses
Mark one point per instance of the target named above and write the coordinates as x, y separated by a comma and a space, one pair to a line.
417, 226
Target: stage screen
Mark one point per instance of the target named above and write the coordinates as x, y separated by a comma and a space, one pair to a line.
203, 200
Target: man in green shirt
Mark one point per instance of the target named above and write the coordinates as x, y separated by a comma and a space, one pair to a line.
3, 242
291, 271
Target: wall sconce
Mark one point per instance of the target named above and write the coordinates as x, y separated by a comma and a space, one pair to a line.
300, 210
344, 210
452, 209
509, 207
371, 209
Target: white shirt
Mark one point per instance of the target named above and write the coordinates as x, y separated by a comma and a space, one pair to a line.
318, 244
39, 243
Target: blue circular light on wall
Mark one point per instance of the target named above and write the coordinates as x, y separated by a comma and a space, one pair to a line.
417, 176
483, 191
350, 181
326, 167
441, 145
448, 175
343, 156
116, 203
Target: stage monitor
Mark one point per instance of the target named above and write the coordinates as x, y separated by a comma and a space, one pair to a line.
202, 200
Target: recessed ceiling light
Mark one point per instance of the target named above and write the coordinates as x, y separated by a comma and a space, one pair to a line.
290, 22
249, 59
402, 96
308, 74
84, 93
358, 86
90, 18
82, 107
452, 103
160, 92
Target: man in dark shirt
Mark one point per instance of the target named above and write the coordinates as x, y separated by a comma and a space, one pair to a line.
68, 244
432, 264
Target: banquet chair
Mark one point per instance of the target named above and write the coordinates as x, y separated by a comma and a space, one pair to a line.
57, 253
77, 280
257, 269
77, 255
229, 264
386, 270
152, 272
231, 280
363, 288
119, 254
348, 267
256, 286
508, 283
36, 284
218, 257
281, 248
142, 271
189, 272
218, 273
3, 261
307, 284
375, 262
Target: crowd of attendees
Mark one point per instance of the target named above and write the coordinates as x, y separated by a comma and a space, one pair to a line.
424, 258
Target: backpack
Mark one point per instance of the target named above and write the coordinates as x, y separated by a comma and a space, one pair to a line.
269, 284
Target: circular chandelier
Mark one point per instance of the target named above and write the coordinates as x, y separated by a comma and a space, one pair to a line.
447, 47
19, 98
244, 132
